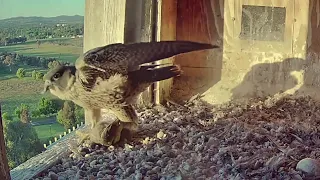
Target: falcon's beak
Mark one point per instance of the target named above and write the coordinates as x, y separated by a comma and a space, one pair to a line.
47, 84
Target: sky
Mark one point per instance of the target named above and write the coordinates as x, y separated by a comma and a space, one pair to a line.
45, 8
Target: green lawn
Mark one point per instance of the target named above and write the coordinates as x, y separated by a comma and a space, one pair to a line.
65, 53
14, 91
47, 131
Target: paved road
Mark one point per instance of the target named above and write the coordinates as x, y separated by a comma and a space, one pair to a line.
44, 122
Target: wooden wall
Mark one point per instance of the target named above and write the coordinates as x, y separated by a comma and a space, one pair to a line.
311, 76
244, 67
200, 21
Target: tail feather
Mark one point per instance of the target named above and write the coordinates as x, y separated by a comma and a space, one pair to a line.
151, 75
146, 52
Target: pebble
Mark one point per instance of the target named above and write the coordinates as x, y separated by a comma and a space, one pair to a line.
138, 176
310, 166
163, 156
53, 175
93, 163
100, 174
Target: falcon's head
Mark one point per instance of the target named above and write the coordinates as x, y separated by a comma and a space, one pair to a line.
59, 79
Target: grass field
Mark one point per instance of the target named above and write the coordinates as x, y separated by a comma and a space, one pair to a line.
14, 91
65, 53
47, 131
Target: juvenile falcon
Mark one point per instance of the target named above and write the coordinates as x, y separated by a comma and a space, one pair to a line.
111, 77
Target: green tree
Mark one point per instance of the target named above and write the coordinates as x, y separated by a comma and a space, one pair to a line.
36, 113
24, 116
9, 61
21, 73
18, 110
47, 106
39, 75
21, 141
38, 42
6, 116
66, 116
34, 74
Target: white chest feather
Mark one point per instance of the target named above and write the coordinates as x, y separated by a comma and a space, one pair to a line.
105, 93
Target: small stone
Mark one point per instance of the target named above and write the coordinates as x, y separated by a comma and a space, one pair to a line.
53, 175
87, 155
160, 163
132, 154
102, 168
100, 174
67, 165
108, 172
91, 177
310, 166
177, 120
54, 169
94, 169
161, 134
156, 169
84, 150
111, 148
186, 166
147, 165
80, 174
62, 178
129, 170
177, 145
138, 176
93, 163
119, 172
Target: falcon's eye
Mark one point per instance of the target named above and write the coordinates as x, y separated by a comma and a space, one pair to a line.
56, 76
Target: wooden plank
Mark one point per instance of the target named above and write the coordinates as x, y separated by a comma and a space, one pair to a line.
300, 32
228, 27
314, 27
200, 21
46, 159
4, 167
166, 30
104, 23
147, 34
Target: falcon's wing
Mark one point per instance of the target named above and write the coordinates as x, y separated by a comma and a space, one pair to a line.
120, 58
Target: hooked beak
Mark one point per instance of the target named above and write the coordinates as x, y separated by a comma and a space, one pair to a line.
47, 84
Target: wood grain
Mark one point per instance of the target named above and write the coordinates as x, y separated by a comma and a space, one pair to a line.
200, 21
166, 30
4, 167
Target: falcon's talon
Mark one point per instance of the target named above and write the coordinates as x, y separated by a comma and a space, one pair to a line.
109, 77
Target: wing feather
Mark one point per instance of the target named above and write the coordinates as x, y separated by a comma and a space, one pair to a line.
111, 59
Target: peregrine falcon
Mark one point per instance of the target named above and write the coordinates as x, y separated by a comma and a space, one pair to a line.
112, 77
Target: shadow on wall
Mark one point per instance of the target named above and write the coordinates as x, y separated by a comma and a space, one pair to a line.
268, 79
200, 21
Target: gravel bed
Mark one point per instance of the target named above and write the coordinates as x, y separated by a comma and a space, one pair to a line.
263, 139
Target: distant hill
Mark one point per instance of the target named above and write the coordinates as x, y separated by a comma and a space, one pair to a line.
36, 21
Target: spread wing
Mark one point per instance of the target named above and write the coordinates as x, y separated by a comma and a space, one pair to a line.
120, 58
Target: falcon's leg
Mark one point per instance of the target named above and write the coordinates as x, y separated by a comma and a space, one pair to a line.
92, 116
128, 116
127, 119
106, 133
